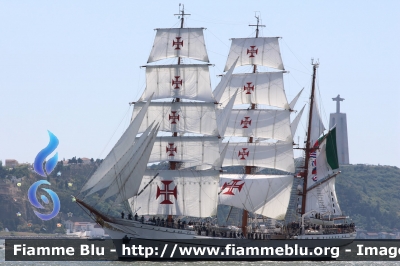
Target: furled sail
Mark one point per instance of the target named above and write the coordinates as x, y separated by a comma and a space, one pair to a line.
259, 123
181, 117
123, 145
178, 192
255, 51
267, 195
258, 88
179, 42
178, 81
323, 159
262, 154
190, 150
323, 198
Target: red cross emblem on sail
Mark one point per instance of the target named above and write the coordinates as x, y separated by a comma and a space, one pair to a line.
231, 186
249, 88
252, 51
174, 117
171, 149
178, 43
245, 122
166, 192
243, 154
177, 82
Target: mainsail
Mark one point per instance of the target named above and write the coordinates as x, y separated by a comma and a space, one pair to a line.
267, 195
178, 192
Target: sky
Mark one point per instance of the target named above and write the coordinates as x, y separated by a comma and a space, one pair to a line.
72, 67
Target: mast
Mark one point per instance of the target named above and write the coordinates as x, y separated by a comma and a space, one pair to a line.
249, 169
308, 147
182, 14
173, 165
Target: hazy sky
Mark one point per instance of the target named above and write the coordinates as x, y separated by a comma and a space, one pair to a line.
71, 67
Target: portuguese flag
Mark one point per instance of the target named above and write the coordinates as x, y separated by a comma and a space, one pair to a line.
331, 149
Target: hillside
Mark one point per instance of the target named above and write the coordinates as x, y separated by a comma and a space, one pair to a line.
15, 198
368, 194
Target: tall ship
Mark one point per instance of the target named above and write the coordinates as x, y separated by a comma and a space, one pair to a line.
190, 150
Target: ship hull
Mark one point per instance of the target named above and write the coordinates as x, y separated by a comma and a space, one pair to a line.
130, 233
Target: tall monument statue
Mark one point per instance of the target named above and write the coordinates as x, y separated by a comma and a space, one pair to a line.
339, 119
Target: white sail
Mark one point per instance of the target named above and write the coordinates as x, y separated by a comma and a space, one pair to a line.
178, 192
323, 198
295, 122
267, 195
126, 184
268, 155
178, 81
181, 117
224, 114
259, 123
219, 90
123, 145
118, 167
255, 51
179, 42
217, 165
258, 88
317, 126
192, 151
294, 101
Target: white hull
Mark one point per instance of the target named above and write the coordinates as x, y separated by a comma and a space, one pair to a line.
135, 229
138, 230
150, 235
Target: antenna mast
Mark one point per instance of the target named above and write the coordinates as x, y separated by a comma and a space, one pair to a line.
308, 147
182, 13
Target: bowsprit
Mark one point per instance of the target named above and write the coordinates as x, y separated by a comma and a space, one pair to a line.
166, 192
